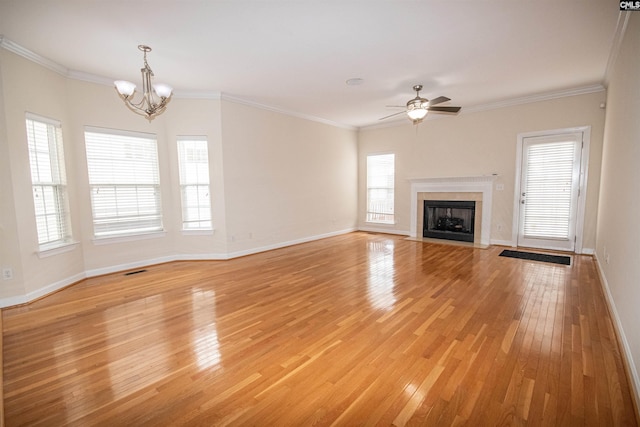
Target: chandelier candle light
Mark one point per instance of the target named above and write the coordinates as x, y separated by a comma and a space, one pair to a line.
154, 97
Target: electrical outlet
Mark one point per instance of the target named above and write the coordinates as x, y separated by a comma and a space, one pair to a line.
7, 273
499, 227
499, 187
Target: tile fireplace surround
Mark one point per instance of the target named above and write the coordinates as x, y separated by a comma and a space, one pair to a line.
475, 188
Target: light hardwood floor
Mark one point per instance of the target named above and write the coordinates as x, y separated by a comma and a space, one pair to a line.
360, 329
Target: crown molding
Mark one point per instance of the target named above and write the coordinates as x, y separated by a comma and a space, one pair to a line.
105, 81
546, 96
197, 94
616, 43
82, 76
185, 94
87, 77
14, 47
242, 101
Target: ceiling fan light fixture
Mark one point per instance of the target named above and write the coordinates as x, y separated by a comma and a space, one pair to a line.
416, 110
417, 114
154, 96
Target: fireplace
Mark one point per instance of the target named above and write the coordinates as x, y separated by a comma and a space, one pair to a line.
476, 188
449, 219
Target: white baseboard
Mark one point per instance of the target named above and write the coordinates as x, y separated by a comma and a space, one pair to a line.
53, 287
585, 251
128, 266
626, 348
503, 243
252, 251
201, 257
384, 230
39, 293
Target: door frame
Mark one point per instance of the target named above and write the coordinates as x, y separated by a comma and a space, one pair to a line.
584, 171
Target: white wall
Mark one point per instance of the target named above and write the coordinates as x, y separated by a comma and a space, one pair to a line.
618, 239
482, 143
275, 179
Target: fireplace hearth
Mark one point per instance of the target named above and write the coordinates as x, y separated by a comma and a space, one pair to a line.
449, 219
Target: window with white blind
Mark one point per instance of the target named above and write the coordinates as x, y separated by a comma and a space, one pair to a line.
48, 180
380, 188
124, 182
193, 161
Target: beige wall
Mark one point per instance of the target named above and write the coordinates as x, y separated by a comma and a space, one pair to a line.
48, 98
9, 238
285, 178
481, 143
618, 246
275, 179
183, 117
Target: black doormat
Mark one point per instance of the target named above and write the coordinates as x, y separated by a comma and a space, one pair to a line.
556, 259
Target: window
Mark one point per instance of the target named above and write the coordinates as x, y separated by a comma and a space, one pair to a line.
124, 182
48, 180
193, 161
380, 187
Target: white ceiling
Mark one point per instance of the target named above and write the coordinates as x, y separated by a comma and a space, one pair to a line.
295, 56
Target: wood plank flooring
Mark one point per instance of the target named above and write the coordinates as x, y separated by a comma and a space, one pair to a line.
360, 329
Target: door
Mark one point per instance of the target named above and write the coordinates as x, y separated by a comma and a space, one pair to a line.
549, 191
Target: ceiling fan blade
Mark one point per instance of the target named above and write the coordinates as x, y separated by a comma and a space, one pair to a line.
438, 100
444, 109
391, 115
396, 106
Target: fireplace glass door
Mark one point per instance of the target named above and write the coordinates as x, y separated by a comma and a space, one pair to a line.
449, 219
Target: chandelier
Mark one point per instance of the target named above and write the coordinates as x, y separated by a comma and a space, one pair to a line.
154, 97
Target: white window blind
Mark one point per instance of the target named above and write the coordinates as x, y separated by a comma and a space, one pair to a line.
193, 161
548, 190
48, 179
380, 188
124, 182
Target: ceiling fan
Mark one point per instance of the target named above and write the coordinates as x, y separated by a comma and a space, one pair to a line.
417, 108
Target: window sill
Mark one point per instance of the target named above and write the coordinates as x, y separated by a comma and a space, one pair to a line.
380, 223
203, 232
46, 251
128, 238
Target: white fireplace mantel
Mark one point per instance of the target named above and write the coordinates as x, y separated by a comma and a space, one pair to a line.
468, 184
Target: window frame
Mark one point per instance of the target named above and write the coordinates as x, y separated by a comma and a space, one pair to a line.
201, 183
138, 151
371, 214
50, 179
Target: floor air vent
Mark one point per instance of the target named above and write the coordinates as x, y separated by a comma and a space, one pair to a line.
134, 272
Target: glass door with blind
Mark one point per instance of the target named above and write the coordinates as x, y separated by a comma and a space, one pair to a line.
549, 191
